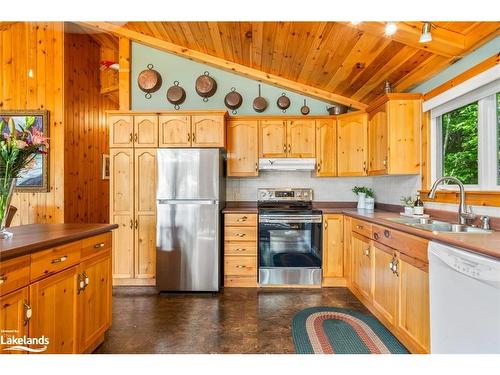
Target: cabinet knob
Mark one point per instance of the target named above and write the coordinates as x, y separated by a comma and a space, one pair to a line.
359, 227
367, 252
376, 235
86, 278
241, 249
28, 312
59, 260
242, 219
99, 245
384, 163
3, 279
239, 266
387, 233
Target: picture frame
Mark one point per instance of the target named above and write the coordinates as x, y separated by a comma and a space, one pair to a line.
36, 178
105, 167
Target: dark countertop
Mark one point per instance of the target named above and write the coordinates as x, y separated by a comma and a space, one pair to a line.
485, 244
31, 238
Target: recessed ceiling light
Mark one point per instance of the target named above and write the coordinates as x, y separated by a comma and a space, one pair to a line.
426, 33
391, 28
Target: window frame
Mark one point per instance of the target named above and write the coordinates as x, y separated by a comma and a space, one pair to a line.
487, 137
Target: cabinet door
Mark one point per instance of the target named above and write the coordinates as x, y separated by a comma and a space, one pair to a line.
273, 139
361, 264
377, 142
385, 282
174, 131
54, 303
208, 131
13, 317
352, 144
242, 148
326, 148
301, 138
347, 250
333, 246
413, 317
94, 302
145, 210
404, 119
121, 129
122, 211
146, 131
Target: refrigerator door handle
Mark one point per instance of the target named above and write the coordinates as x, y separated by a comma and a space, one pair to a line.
187, 201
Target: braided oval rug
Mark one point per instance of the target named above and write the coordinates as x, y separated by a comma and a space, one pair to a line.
328, 330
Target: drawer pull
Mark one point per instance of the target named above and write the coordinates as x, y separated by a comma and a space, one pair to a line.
28, 312
242, 219
81, 283
99, 245
359, 227
367, 252
241, 249
86, 278
240, 266
3, 279
64, 258
240, 234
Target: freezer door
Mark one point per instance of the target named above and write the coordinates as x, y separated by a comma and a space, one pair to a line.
189, 173
188, 246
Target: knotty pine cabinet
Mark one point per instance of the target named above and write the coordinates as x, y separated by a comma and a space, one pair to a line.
133, 208
352, 133
71, 307
333, 250
394, 124
361, 265
287, 138
242, 148
326, 147
126, 130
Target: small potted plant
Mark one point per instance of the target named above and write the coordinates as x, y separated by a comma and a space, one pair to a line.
408, 205
366, 197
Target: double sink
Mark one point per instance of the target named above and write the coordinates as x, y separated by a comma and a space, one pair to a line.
437, 226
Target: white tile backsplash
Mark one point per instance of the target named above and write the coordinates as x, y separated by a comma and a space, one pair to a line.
390, 189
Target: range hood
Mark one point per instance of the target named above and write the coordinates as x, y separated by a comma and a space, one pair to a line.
287, 164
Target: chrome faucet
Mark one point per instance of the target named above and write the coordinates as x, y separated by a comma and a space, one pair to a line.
462, 213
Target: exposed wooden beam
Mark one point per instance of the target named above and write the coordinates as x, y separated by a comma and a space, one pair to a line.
224, 64
444, 42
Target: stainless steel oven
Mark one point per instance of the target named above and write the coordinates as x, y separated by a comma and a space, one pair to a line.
290, 238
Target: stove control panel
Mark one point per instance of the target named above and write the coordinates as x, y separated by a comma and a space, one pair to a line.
285, 194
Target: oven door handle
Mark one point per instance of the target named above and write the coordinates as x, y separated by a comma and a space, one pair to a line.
291, 219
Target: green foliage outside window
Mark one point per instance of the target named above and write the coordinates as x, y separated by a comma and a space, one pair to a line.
460, 139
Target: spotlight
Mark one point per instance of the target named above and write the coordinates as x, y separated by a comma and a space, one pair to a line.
426, 33
390, 28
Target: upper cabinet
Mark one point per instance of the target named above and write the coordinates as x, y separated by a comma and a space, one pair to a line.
208, 131
394, 134
121, 130
326, 147
175, 131
287, 139
242, 148
352, 144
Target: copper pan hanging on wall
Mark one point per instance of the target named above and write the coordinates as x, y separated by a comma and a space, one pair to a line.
305, 109
176, 95
283, 102
205, 86
259, 103
149, 81
233, 100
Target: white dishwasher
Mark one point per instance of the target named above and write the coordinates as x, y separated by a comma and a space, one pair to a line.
464, 293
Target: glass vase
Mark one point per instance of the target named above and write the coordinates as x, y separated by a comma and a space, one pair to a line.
7, 186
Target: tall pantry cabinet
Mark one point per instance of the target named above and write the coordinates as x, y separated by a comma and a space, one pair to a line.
133, 143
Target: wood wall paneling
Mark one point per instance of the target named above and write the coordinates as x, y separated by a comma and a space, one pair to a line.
36, 48
86, 136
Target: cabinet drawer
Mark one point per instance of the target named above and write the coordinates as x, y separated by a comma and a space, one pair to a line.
14, 274
54, 260
231, 281
96, 244
243, 220
240, 266
362, 227
412, 246
240, 233
240, 248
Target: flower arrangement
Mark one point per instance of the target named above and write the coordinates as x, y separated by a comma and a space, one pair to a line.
19, 145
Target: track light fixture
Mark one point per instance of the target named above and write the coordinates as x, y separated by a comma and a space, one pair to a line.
390, 28
426, 33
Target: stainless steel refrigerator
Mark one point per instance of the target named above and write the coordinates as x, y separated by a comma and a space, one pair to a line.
190, 197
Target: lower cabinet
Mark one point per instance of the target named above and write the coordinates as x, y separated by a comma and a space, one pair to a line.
333, 250
361, 265
385, 281
71, 308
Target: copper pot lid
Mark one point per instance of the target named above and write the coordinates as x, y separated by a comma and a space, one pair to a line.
233, 100
259, 103
205, 86
176, 95
149, 81
283, 102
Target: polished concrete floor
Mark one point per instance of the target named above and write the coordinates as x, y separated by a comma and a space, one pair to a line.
237, 320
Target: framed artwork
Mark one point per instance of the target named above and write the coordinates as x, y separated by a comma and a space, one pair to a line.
35, 178
105, 169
